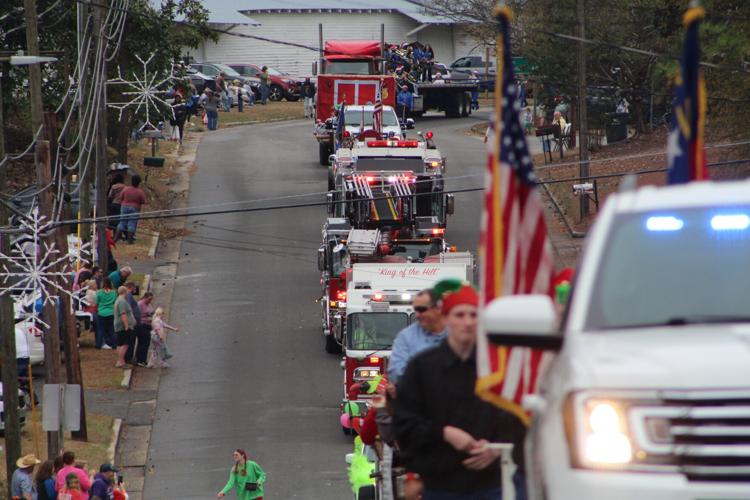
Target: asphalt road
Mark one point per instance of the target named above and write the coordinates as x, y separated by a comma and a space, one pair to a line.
249, 369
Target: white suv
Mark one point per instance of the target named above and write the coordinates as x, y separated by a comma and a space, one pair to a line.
649, 396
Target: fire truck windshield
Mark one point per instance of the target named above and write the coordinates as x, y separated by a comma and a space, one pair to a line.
389, 164
374, 331
354, 117
347, 67
415, 251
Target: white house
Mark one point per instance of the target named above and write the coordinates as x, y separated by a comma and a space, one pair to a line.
296, 22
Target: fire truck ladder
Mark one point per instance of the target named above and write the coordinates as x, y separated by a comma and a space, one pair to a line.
359, 185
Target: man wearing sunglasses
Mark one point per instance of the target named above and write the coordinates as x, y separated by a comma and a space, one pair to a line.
428, 331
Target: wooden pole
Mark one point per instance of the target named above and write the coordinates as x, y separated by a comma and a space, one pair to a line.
70, 334
583, 128
52, 357
101, 153
11, 414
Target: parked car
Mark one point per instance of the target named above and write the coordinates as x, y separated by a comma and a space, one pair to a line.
200, 80
283, 86
212, 71
462, 68
24, 199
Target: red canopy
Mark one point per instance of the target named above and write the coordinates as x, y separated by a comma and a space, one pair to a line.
351, 49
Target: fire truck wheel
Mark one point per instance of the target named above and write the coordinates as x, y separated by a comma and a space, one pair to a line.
332, 347
366, 493
324, 150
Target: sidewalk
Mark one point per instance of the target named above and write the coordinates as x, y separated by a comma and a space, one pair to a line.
135, 404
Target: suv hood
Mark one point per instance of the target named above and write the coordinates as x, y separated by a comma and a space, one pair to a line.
675, 357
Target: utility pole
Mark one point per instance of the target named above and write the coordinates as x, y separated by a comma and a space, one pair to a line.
86, 168
7, 329
70, 334
102, 249
583, 130
45, 160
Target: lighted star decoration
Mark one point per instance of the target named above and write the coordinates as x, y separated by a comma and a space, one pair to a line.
145, 93
37, 266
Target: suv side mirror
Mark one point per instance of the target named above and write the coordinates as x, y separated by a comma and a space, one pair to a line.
410, 123
322, 258
524, 321
450, 204
331, 159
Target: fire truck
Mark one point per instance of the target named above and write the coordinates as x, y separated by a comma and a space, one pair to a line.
350, 75
378, 306
387, 205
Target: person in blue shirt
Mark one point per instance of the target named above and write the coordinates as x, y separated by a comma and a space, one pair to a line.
404, 101
428, 331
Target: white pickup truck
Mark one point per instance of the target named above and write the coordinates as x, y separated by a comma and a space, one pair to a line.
649, 396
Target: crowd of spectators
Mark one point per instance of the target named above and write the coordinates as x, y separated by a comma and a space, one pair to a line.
65, 478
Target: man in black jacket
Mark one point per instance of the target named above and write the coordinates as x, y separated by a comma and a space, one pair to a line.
441, 426
308, 92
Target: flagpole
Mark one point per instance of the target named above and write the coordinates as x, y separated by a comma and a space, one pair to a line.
502, 15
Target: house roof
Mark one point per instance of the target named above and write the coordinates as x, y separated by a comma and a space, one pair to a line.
410, 8
220, 12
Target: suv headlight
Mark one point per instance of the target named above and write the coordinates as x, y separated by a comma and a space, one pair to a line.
605, 439
598, 432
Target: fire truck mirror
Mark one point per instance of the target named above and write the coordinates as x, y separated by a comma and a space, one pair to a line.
450, 204
315, 68
330, 207
322, 258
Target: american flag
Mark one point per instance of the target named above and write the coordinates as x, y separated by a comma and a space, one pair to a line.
377, 114
515, 250
686, 156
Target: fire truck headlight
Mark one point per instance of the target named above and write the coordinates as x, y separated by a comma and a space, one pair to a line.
366, 373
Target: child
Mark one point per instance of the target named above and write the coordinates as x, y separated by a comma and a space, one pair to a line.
72, 488
528, 121
159, 339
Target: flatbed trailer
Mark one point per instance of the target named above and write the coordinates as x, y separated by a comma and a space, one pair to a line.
454, 99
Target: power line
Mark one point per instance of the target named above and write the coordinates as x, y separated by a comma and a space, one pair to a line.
191, 212
543, 32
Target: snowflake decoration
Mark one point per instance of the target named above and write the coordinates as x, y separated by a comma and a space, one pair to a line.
38, 266
145, 93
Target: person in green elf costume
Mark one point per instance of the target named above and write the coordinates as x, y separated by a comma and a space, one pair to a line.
246, 478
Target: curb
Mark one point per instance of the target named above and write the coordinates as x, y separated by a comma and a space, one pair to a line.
127, 378
240, 124
116, 431
154, 244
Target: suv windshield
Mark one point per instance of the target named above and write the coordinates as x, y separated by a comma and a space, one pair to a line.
229, 71
374, 331
354, 118
348, 67
684, 266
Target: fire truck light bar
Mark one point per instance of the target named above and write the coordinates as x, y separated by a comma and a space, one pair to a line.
374, 360
392, 144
